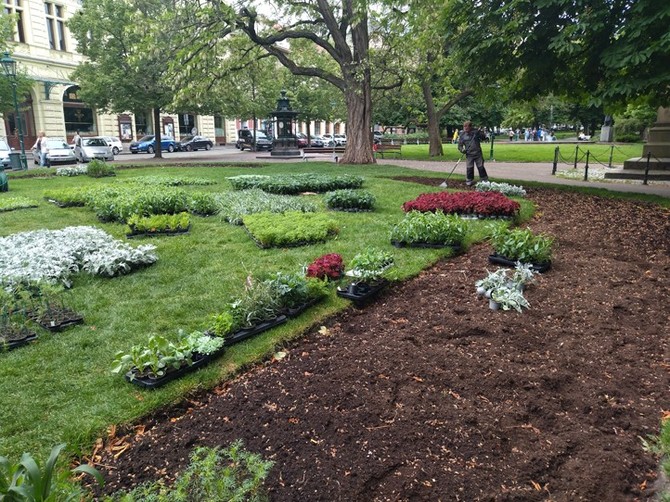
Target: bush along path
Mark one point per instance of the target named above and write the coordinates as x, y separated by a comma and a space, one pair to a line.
427, 394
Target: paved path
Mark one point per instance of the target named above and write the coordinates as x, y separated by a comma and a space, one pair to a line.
497, 170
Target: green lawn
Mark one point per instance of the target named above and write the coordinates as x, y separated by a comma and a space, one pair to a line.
61, 389
520, 151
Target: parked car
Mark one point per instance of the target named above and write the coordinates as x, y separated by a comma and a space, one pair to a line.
245, 139
95, 147
316, 141
115, 143
191, 143
328, 139
340, 139
59, 153
148, 144
301, 140
4, 154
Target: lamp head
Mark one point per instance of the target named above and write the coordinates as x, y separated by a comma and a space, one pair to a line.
8, 65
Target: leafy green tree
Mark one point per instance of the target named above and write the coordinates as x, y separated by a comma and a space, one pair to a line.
595, 52
23, 82
129, 47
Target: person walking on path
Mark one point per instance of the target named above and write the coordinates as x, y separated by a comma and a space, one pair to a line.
41, 148
77, 146
469, 143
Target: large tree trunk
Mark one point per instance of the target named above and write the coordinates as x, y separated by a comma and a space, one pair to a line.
359, 121
434, 137
158, 154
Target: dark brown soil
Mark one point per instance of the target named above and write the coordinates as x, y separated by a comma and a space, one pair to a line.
426, 394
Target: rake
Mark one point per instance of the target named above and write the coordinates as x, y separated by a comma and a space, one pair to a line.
444, 183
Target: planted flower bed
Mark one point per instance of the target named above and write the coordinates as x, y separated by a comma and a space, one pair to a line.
233, 206
55, 255
521, 245
503, 188
292, 184
431, 230
350, 200
156, 225
289, 229
13, 203
477, 204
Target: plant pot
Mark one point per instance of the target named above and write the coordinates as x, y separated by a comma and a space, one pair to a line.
58, 319
296, 311
456, 248
360, 293
481, 291
161, 233
494, 305
12, 339
502, 260
152, 382
245, 333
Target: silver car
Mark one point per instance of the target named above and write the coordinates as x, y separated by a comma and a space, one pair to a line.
59, 153
95, 148
4, 154
115, 143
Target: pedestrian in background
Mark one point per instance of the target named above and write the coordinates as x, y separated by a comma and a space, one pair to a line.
42, 149
76, 141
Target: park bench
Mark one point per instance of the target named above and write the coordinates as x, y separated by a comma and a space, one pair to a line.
386, 149
323, 149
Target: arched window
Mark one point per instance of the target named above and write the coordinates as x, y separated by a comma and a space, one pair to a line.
78, 116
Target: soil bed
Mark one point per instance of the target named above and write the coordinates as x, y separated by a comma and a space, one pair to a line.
426, 394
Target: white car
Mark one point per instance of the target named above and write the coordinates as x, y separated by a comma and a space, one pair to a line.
95, 148
115, 143
340, 139
59, 152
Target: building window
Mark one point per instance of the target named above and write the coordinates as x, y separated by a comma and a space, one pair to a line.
16, 7
187, 125
55, 25
78, 116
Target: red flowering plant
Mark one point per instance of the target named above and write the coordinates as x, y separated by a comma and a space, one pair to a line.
329, 266
479, 203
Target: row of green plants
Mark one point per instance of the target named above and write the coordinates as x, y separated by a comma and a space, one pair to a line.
293, 184
158, 223
504, 188
436, 228
120, 203
521, 244
291, 228
350, 200
16, 202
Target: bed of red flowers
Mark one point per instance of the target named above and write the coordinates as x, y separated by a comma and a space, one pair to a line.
328, 266
471, 203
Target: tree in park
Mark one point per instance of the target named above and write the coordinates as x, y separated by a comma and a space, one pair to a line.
231, 77
340, 33
600, 52
23, 82
129, 53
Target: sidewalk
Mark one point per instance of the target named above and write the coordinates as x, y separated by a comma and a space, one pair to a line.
540, 172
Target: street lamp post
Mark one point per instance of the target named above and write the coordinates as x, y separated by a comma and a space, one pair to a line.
9, 67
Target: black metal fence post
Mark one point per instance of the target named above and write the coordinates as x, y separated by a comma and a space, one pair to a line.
576, 154
611, 155
586, 168
646, 170
553, 169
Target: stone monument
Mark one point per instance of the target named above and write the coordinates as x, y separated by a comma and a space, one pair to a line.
607, 131
657, 147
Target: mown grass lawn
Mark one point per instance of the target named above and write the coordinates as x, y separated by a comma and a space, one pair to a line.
521, 151
61, 389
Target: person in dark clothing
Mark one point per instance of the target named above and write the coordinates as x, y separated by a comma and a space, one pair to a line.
469, 143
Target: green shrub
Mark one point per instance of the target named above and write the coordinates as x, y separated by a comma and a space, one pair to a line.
99, 169
522, 245
228, 474
203, 204
350, 200
12, 203
290, 229
430, 228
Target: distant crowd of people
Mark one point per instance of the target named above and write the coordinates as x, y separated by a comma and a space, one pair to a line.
527, 133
